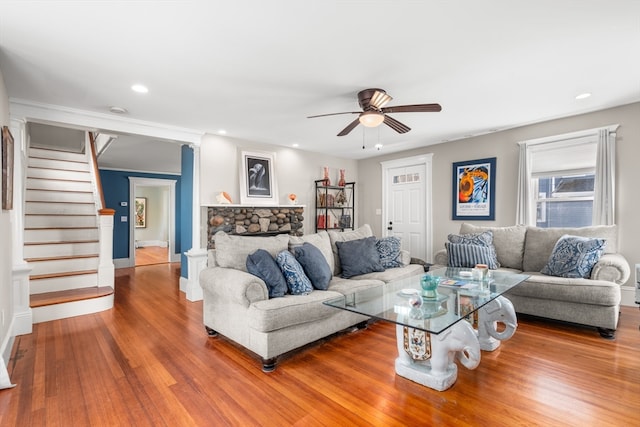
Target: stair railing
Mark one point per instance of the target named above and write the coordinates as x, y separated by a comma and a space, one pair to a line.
106, 269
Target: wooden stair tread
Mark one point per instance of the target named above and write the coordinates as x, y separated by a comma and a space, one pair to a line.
61, 242
60, 228
59, 179
71, 295
64, 274
58, 191
60, 258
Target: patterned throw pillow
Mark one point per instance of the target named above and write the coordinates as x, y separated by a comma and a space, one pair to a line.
467, 255
389, 251
480, 239
574, 256
297, 281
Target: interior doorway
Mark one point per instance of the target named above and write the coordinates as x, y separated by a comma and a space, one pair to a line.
407, 205
152, 224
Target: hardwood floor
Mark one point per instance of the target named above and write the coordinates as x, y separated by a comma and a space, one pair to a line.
149, 362
149, 255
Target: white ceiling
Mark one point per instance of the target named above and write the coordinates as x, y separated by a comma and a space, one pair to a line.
257, 68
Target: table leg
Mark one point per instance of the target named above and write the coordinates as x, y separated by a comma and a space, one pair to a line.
500, 310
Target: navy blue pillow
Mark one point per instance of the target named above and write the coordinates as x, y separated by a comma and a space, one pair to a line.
261, 264
359, 257
314, 265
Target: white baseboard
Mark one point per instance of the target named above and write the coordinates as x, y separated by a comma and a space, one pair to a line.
122, 262
145, 243
628, 296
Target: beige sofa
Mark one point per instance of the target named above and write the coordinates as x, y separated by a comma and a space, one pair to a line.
236, 304
594, 301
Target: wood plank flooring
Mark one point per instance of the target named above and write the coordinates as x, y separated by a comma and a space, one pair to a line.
148, 362
149, 255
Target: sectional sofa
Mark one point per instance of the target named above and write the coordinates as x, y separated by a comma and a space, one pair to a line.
592, 301
236, 304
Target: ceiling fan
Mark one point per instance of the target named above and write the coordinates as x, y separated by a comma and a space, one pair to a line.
374, 112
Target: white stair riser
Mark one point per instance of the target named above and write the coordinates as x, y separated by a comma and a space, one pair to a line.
55, 284
58, 155
61, 249
63, 265
54, 221
60, 235
71, 309
58, 174
58, 185
58, 196
60, 208
57, 164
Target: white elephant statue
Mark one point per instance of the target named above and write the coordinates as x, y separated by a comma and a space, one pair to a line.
500, 310
438, 371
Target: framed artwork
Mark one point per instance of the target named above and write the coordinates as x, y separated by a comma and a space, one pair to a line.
141, 212
257, 178
7, 169
474, 184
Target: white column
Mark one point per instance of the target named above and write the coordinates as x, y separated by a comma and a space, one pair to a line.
196, 256
106, 269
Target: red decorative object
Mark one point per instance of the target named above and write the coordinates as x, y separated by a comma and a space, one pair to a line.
341, 182
327, 181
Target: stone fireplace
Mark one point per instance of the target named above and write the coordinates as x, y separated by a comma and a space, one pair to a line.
254, 221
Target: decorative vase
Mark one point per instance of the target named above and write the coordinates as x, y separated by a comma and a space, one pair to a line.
341, 182
429, 285
327, 181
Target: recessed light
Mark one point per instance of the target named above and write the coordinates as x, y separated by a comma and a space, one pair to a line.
583, 95
295, 145
139, 88
222, 132
117, 110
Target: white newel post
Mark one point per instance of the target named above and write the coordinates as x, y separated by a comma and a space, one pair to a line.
106, 269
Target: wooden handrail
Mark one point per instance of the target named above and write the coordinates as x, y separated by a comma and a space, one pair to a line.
92, 143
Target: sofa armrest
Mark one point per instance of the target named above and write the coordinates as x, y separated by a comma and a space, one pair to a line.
441, 258
612, 267
234, 286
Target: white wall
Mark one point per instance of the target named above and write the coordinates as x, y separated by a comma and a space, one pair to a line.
295, 172
503, 146
157, 214
6, 260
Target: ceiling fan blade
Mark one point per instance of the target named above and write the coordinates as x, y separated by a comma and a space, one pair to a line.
349, 128
379, 99
396, 125
333, 114
417, 108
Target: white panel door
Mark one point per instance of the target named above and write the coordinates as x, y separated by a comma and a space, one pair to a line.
405, 210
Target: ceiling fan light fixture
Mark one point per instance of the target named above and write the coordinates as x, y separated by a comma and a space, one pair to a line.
371, 119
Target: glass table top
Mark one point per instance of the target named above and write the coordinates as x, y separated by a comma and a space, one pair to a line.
457, 296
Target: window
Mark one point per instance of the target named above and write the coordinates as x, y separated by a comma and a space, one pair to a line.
567, 180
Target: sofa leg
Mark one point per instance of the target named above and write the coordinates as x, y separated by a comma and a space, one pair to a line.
607, 333
211, 332
269, 365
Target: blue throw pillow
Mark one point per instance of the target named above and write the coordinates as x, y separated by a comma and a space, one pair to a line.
314, 265
574, 256
467, 255
297, 281
261, 264
481, 239
389, 251
359, 257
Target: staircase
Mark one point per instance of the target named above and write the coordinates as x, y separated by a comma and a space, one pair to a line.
62, 236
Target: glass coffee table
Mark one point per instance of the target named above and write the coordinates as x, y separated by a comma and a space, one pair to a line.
455, 322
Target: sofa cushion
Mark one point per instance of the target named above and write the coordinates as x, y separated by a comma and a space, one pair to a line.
314, 265
484, 238
359, 257
392, 274
389, 250
320, 240
345, 236
508, 242
574, 256
297, 281
467, 255
232, 251
261, 264
540, 242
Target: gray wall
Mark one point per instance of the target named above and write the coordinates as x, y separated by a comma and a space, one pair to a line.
503, 146
6, 260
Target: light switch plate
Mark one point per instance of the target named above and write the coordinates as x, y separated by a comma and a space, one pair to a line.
124, 204
123, 219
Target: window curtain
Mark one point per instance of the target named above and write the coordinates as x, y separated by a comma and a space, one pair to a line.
524, 203
604, 184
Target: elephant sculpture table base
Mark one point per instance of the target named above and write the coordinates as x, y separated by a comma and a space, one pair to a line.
500, 310
429, 359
